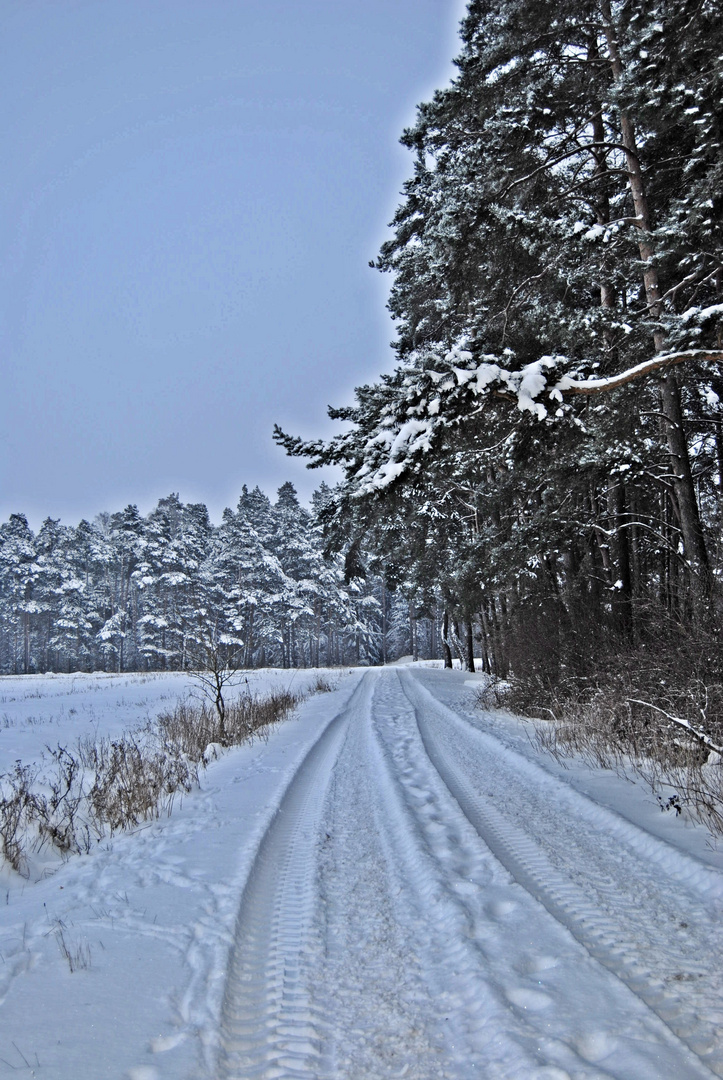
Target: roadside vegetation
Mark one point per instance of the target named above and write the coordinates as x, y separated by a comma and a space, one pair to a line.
81, 793
654, 712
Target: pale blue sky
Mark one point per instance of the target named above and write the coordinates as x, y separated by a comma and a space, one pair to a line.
191, 192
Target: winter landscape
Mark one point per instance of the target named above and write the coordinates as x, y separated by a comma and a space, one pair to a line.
417, 773
392, 882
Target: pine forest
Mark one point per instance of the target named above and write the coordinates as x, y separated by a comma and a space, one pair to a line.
537, 482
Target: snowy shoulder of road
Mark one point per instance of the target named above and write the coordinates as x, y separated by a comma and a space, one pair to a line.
630, 799
147, 918
394, 883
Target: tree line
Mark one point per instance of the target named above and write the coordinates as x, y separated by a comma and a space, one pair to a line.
170, 591
538, 480
547, 453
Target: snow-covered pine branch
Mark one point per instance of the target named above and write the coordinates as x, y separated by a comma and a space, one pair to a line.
432, 394
656, 363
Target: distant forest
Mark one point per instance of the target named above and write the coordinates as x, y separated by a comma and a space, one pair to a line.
170, 591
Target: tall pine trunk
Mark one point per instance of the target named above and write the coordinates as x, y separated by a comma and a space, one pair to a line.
684, 486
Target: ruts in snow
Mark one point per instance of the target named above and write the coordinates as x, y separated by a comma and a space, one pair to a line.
428, 903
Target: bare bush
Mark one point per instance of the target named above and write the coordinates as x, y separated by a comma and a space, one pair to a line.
16, 811
134, 782
193, 726
190, 726
322, 685
492, 694
655, 712
106, 785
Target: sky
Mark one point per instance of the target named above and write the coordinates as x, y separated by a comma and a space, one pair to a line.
191, 194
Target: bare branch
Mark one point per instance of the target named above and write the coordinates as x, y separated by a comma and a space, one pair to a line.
550, 164
700, 735
662, 360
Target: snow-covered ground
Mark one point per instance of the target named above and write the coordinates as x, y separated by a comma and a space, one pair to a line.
37, 710
394, 884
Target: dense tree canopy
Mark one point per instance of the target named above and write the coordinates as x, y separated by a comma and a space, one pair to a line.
170, 591
547, 452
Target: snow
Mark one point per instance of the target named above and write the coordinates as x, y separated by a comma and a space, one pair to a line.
481, 378
37, 710
413, 436
595, 232
696, 314
532, 382
394, 883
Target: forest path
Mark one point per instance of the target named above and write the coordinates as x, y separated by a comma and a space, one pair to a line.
427, 903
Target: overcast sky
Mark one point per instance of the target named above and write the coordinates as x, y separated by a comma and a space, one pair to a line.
191, 193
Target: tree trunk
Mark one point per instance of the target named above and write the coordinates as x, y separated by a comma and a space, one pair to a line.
695, 549
445, 641
413, 633
470, 645
693, 540
384, 623
458, 647
623, 597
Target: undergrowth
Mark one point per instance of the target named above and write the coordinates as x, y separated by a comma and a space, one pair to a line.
655, 712
97, 787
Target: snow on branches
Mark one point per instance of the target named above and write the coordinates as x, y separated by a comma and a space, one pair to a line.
400, 420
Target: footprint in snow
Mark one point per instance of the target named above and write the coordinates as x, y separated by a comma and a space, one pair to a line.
466, 888
531, 1000
166, 1042
595, 1045
535, 964
499, 908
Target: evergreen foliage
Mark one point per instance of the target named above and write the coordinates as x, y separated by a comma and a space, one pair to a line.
170, 591
547, 455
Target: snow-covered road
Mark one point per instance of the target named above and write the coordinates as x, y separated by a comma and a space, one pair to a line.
428, 903
394, 885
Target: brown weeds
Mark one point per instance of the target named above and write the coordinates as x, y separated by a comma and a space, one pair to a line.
101, 786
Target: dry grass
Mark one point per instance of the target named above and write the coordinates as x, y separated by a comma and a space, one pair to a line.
77, 954
194, 726
653, 713
98, 787
611, 729
323, 685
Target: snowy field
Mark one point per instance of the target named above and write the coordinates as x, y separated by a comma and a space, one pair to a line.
395, 884
60, 709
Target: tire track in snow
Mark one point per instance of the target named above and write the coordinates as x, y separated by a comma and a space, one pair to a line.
481, 1032
524, 998
600, 908
269, 1025
381, 1015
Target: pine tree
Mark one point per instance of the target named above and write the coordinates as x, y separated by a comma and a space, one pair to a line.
551, 430
18, 574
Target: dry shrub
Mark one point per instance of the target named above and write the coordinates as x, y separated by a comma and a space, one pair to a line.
493, 694
134, 781
322, 685
16, 804
193, 726
87, 791
655, 711
105, 785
